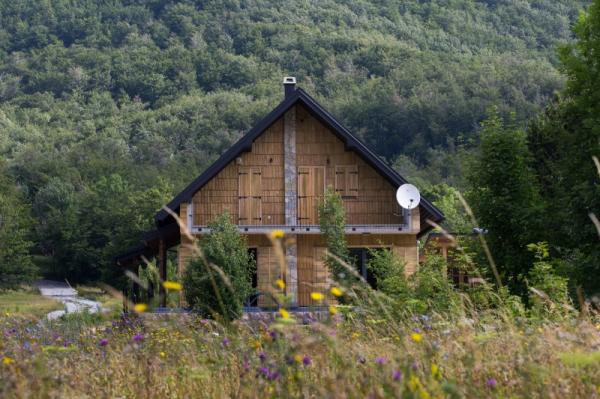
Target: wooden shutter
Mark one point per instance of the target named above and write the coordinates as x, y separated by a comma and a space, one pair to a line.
305, 186
256, 195
311, 187
340, 179
346, 180
352, 181
249, 196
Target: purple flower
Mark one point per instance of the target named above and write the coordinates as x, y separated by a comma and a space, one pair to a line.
415, 365
361, 360
138, 338
492, 383
273, 376
262, 356
380, 360
103, 342
225, 342
264, 370
273, 334
306, 360
397, 375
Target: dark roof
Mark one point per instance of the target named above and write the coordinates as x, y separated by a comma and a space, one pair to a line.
149, 245
245, 144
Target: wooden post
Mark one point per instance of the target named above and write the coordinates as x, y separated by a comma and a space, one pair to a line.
135, 291
162, 271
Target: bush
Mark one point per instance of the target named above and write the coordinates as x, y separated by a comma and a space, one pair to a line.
549, 291
217, 282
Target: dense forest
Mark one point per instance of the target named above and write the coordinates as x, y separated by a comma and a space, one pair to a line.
108, 108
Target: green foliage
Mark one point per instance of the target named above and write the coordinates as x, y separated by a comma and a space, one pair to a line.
16, 265
432, 290
332, 220
563, 140
503, 193
159, 89
426, 290
217, 283
550, 292
388, 270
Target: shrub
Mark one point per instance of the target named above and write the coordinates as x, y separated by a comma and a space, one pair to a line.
388, 270
332, 221
217, 282
549, 289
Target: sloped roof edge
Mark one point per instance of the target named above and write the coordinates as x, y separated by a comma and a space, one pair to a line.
245, 144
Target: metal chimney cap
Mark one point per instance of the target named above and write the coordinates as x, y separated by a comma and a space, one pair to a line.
289, 80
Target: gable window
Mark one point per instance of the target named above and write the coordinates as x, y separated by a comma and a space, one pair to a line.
346, 180
249, 196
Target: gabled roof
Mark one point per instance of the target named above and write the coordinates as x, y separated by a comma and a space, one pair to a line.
429, 211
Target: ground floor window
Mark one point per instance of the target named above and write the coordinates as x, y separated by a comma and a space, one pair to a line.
361, 258
253, 300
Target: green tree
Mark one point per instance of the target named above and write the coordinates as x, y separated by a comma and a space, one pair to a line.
503, 193
16, 266
332, 220
217, 283
563, 140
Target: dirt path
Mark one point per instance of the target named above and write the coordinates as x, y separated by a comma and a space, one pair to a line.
62, 292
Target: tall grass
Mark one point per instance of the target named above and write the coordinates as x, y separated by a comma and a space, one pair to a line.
376, 349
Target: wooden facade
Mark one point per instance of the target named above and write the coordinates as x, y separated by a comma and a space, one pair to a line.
251, 189
274, 178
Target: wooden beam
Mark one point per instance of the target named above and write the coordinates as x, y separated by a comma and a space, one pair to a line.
162, 271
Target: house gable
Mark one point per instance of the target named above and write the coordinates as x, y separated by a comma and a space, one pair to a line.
354, 151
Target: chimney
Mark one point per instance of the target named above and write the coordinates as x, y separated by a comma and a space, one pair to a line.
289, 85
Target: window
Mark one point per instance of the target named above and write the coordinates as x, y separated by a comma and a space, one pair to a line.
361, 258
346, 180
253, 299
249, 196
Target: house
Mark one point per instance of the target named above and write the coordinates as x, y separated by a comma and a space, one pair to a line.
272, 179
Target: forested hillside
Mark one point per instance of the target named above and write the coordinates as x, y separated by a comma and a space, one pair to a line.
108, 108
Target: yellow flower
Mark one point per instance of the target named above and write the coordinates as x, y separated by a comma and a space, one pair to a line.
162, 354
355, 335
7, 360
298, 358
280, 284
140, 307
317, 296
416, 337
172, 285
284, 313
277, 234
332, 309
434, 369
336, 291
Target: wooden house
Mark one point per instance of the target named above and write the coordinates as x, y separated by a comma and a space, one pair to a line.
272, 179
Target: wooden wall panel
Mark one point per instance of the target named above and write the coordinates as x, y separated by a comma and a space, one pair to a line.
374, 202
313, 274
222, 192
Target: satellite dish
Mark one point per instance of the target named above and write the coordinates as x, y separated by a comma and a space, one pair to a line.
408, 196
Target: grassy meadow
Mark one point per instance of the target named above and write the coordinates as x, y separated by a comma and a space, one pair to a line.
352, 354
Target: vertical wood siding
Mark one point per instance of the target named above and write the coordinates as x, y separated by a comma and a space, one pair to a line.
368, 197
